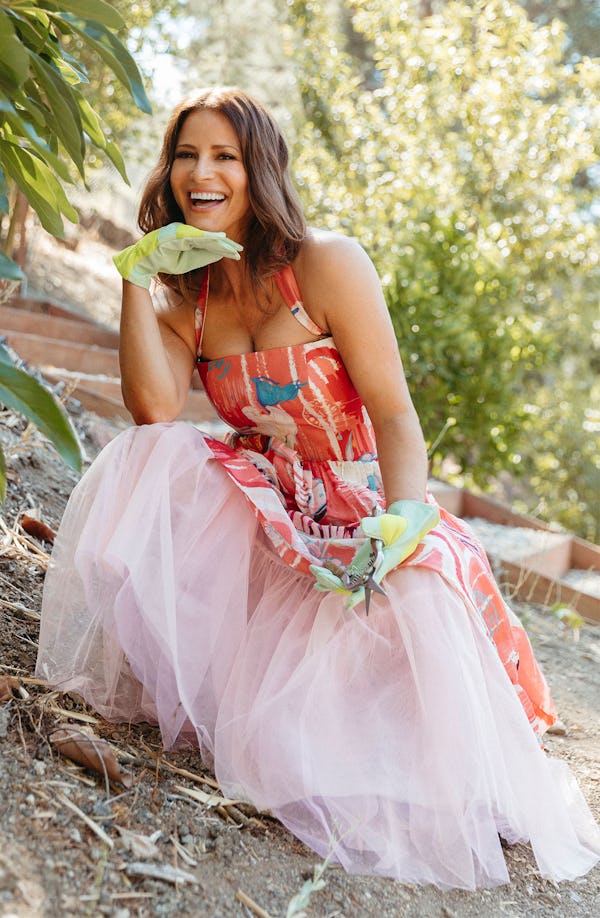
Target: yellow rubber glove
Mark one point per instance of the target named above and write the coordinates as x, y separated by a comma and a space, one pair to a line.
173, 249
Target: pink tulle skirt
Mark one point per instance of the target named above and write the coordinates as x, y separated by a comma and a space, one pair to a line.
393, 744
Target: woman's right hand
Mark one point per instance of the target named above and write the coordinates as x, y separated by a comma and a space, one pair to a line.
173, 249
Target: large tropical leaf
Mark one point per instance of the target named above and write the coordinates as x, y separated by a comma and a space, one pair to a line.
21, 392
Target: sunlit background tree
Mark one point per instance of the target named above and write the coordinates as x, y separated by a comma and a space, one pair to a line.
459, 145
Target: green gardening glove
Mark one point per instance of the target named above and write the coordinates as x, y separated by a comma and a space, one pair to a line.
397, 533
173, 249
405, 524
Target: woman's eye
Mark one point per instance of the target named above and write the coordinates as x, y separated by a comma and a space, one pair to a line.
183, 154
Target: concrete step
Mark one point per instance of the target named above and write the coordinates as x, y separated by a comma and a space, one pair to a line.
102, 394
40, 350
13, 319
66, 346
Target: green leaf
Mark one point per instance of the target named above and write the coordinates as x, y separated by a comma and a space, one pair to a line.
29, 100
12, 53
21, 392
31, 35
8, 82
77, 66
9, 270
94, 10
31, 186
60, 100
91, 122
114, 154
22, 128
118, 58
34, 13
39, 185
72, 75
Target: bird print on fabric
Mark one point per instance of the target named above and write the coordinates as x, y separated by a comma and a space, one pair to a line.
270, 392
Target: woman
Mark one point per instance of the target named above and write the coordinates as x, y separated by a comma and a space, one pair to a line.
386, 716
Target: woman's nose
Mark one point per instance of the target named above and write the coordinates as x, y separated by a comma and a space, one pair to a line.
203, 167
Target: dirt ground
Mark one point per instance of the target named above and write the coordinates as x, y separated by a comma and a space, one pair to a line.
168, 844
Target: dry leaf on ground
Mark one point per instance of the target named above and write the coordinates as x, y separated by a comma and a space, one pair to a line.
38, 529
87, 749
9, 687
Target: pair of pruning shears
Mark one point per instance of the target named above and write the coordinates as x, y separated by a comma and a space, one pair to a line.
391, 537
355, 577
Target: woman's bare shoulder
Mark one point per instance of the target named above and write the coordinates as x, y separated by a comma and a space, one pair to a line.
172, 309
169, 302
329, 261
321, 247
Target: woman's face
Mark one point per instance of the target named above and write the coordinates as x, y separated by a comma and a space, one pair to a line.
208, 178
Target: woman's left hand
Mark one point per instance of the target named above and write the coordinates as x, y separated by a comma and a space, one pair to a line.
396, 534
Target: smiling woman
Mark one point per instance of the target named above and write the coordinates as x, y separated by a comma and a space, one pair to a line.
292, 600
276, 226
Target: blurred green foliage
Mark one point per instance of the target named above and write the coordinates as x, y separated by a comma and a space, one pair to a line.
459, 148
47, 117
48, 123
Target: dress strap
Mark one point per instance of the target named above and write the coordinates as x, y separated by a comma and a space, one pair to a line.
288, 287
200, 311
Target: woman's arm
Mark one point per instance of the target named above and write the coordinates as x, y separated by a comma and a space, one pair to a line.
156, 356
342, 292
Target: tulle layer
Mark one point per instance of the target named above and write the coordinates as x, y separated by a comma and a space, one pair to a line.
394, 744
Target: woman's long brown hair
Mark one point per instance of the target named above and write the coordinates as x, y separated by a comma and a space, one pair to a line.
277, 226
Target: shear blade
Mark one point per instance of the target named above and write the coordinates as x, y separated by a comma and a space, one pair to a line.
371, 586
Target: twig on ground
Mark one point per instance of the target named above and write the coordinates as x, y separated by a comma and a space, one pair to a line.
14, 544
161, 872
251, 904
20, 728
208, 800
88, 821
19, 607
189, 860
193, 776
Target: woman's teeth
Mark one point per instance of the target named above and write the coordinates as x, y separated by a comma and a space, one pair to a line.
206, 196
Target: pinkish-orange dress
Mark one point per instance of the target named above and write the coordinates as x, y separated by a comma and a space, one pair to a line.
403, 743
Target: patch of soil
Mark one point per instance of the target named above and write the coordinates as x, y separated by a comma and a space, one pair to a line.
77, 272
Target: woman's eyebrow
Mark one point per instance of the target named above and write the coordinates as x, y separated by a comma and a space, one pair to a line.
214, 146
